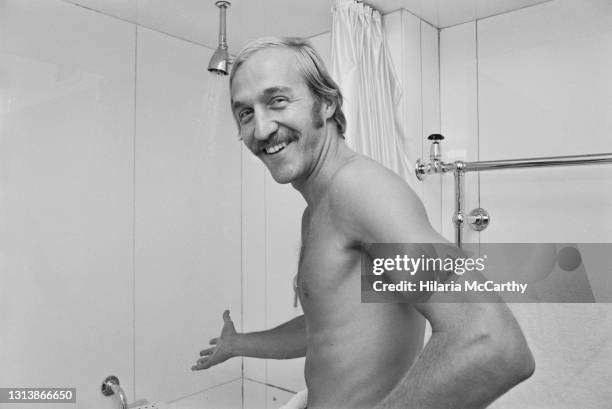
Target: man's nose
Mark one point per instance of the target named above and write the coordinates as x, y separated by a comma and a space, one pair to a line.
264, 126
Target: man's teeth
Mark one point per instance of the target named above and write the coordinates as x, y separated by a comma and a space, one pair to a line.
273, 149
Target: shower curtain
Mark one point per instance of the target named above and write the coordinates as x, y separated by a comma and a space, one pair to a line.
362, 67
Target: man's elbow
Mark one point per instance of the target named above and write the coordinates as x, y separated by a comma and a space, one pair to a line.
506, 356
515, 357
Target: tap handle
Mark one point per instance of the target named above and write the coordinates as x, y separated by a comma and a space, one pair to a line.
435, 137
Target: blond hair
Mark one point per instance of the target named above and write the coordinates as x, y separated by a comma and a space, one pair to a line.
310, 65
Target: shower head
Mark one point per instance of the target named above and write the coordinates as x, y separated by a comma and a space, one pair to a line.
220, 61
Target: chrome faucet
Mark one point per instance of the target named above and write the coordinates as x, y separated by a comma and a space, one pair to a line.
111, 386
435, 165
478, 218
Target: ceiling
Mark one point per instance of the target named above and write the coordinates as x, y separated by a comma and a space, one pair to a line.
446, 13
198, 20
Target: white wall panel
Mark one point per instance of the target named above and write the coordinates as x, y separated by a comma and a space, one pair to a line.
544, 89
403, 34
188, 254
548, 92
66, 204
254, 297
459, 113
430, 100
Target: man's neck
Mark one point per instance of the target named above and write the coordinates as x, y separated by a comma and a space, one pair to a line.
333, 155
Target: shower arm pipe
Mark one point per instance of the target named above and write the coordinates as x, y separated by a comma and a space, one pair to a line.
222, 30
460, 168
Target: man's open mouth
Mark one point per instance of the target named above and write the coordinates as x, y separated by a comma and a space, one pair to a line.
274, 149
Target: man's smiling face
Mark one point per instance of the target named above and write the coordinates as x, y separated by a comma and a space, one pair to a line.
279, 119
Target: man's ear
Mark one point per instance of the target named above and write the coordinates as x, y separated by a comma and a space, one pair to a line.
328, 106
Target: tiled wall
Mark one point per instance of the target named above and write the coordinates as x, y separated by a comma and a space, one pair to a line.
536, 82
66, 199
187, 224
459, 118
413, 45
120, 202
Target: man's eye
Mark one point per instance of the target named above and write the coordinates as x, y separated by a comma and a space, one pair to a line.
244, 115
278, 101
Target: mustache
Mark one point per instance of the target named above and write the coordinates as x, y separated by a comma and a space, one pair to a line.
283, 134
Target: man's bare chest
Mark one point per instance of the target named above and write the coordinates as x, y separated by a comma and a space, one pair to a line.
325, 262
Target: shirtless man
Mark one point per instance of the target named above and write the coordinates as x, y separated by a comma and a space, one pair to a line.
288, 111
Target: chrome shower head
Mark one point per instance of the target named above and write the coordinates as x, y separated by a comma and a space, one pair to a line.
220, 61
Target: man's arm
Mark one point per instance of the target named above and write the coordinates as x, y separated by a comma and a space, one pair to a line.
286, 341
475, 354
477, 350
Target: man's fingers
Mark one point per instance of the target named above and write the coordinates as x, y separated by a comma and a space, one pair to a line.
205, 361
206, 352
201, 364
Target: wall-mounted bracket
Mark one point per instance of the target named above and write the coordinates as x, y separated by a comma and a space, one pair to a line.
479, 219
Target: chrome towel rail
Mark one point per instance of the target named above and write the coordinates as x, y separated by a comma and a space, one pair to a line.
479, 218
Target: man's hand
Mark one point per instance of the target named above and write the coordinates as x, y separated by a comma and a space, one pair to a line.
223, 349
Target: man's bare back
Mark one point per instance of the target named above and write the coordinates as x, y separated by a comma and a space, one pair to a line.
367, 346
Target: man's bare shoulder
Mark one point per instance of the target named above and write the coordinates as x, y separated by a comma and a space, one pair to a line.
362, 178
366, 198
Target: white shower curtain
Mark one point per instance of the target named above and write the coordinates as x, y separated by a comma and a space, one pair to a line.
362, 67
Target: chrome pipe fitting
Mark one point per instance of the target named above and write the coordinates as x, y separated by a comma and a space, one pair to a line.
479, 219
435, 165
111, 386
